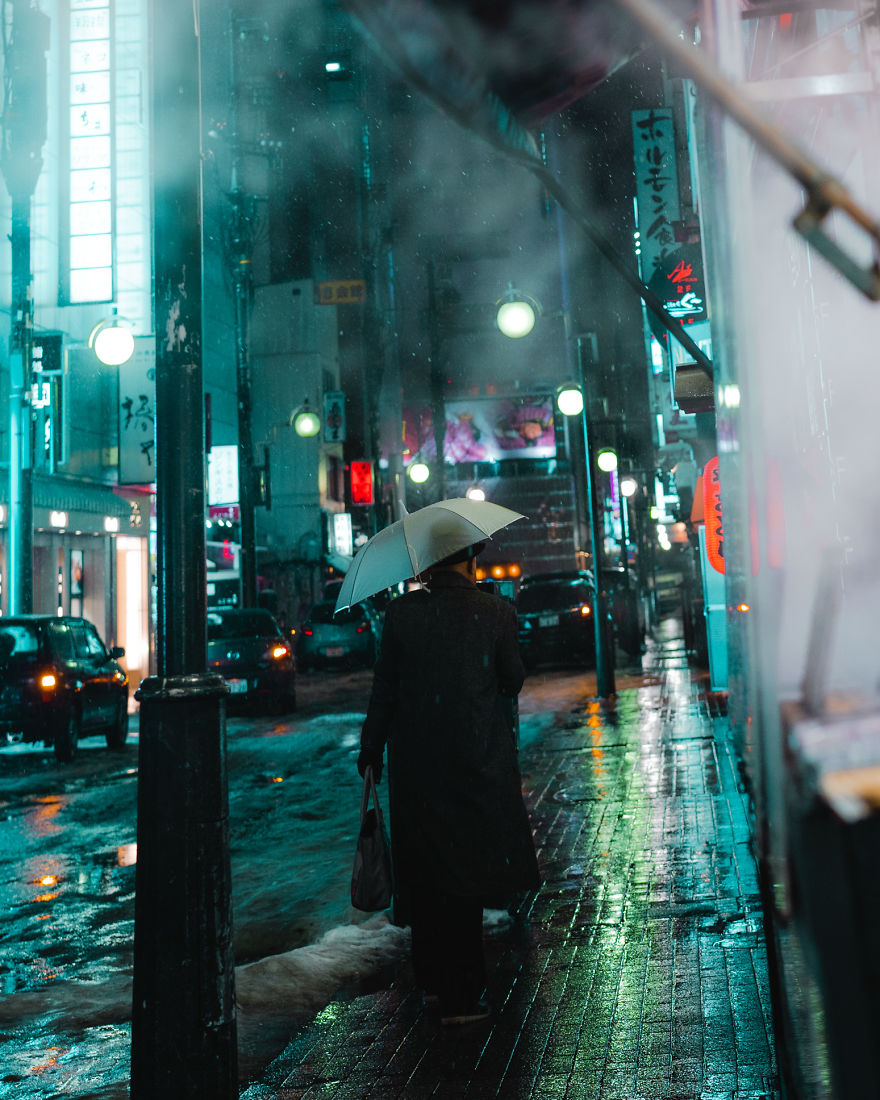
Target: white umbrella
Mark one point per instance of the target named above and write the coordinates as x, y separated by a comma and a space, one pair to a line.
418, 541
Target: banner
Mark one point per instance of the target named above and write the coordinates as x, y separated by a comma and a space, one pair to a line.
137, 414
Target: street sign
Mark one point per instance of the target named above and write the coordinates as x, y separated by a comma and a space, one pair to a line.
712, 515
334, 417
341, 292
361, 482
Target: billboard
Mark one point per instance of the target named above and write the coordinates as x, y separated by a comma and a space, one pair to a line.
483, 429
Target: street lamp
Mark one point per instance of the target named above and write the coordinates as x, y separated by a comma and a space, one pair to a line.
569, 399
516, 314
112, 341
606, 460
304, 421
419, 472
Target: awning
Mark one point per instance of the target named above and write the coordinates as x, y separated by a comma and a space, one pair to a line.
341, 562
87, 504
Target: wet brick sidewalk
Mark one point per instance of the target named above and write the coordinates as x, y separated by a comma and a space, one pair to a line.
639, 969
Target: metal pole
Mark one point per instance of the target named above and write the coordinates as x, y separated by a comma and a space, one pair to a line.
438, 404
183, 1010
604, 651
242, 278
24, 134
21, 416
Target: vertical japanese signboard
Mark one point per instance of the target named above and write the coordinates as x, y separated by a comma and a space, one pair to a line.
712, 515
334, 417
137, 415
656, 185
361, 482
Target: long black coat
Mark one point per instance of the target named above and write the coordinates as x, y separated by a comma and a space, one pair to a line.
458, 823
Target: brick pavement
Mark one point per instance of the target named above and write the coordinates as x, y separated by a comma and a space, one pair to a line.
638, 970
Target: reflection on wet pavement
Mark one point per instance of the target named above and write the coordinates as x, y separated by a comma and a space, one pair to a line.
638, 970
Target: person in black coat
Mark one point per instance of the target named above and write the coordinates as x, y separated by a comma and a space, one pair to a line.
459, 828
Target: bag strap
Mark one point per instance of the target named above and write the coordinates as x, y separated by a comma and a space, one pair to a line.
369, 787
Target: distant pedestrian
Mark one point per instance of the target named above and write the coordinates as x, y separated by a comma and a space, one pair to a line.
459, 830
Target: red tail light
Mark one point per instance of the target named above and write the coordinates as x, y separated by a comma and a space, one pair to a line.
308, 633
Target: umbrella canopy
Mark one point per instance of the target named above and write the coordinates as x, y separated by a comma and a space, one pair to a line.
418, 541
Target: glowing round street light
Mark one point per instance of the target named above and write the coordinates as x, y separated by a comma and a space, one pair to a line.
112, 342
476, 493
419, 472
628, 486
606, 460
569, 399
305, 422
516, 318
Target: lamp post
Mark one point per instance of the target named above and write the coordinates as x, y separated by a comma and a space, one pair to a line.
604, 652
24, 134
183, 1000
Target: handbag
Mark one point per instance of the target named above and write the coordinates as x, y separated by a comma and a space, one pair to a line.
371, 881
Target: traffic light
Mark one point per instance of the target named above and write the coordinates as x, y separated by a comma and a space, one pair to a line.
361, 475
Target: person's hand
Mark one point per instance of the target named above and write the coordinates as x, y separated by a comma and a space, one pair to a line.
370, 759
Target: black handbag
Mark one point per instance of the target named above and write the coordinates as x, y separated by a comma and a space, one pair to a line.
371, 882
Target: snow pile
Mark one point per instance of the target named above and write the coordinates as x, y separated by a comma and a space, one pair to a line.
302, 981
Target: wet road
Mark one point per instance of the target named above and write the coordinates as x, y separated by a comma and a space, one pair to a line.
67, 870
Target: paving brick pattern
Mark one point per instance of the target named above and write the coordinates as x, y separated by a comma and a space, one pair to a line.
637, 972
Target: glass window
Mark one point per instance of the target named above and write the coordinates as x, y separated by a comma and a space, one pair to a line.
554, 597
93, 641
323, 613
240, 624
94, 250
91, 285
80, 642
61, 640
18, 639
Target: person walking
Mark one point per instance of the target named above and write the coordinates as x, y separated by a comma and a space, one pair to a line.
459, 829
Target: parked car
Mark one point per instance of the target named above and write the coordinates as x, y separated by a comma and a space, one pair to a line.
348, 638
59, 682
246, 647
555, 612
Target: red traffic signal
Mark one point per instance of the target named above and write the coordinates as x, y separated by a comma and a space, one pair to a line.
361, 474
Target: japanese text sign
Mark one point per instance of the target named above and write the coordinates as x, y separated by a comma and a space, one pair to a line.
656, 184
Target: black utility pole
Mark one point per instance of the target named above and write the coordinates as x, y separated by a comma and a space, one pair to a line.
437, 352
24, 134
183, 1011
240, 244
604, 649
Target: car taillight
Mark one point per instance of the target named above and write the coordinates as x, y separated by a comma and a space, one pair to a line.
48, 681
585, 609
308, 631
277, 652
361, 628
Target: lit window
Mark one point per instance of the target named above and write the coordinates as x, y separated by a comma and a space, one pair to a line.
94, 285
89, 217
92, 251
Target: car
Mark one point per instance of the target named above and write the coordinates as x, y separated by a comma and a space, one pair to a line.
348, 639
246, 647
59, 682
555, 613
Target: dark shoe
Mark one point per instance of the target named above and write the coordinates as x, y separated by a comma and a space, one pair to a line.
469, 1015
